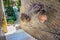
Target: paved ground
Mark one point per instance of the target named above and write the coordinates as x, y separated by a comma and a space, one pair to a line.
19, 35
12, 28
2, 36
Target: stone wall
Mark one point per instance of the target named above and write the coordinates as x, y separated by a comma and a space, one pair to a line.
51, 28
1, 14
2, 36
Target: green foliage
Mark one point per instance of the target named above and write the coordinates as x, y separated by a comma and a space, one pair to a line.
10, 22
9, 11
11, 17
7, 3
19, 4
10, 14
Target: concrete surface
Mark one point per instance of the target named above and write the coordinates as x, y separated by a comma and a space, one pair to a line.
19, 35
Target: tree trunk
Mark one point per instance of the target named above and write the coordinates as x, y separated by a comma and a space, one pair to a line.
51, 28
